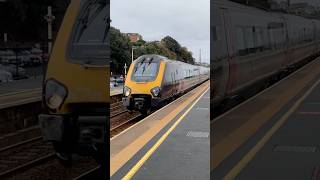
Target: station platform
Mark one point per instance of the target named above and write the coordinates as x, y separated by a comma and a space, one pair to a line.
172, 143
21, 85
273, 135
116, 90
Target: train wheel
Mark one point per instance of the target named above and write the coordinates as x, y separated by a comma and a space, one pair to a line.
146, 112
98, 156
63, 154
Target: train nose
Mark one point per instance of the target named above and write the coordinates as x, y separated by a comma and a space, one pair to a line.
139, 103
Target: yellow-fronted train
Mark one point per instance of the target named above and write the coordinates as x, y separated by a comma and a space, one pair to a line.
153, 78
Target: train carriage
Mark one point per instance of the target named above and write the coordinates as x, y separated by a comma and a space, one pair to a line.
75, 90
251, 46
153, 78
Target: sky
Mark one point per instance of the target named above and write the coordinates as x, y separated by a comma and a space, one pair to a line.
187, 21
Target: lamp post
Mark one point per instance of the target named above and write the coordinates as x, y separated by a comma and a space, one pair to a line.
125, 69
132, 48
49, 17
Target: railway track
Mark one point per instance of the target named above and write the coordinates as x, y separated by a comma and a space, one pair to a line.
23, 151
36, 159
121, 122
91, 174
120, 117
24, 155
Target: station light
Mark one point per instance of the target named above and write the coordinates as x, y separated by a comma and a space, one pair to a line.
155, 91
126, 91
55, 94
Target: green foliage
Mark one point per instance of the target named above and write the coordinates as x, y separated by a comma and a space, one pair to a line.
182, 53
186, 56
24, 20
121, 50
154, 47
171, 44
141, 42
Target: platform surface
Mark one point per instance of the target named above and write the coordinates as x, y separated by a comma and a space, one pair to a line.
21, 85
293, 152
184, 151
116, 90
274, 135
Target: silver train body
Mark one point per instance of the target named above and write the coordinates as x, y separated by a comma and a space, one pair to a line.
250, 45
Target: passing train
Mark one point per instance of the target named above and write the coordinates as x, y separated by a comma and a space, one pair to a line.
75, 92
251, 45
151, 79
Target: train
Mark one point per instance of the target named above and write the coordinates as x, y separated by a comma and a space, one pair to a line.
251, 46
75, 92
153, 78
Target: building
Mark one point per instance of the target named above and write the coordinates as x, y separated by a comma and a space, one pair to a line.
134, 37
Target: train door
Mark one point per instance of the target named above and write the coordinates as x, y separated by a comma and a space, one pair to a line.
219, 55
173, 79
230, 49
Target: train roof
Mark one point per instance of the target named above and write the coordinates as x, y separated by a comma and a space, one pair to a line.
158, 58
151, 57
258, 11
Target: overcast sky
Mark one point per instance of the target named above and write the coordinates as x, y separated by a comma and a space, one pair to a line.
188, 21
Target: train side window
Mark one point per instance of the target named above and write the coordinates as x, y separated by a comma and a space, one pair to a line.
214, 33
258, 39
271, 39
241, 47
249, 39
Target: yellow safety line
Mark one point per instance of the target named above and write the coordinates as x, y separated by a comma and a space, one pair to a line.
232, 174
136, 167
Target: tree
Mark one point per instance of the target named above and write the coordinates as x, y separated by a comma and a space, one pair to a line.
24, 19
141, 42
181, 53
186, 55
120, 50
171, 44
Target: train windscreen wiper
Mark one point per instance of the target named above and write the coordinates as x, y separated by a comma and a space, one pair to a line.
86, 19
150, 61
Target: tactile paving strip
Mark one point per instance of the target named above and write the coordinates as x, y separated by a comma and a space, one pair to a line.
198, 134
298, 149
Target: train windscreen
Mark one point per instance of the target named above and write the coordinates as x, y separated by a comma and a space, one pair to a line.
145, 72
89, 42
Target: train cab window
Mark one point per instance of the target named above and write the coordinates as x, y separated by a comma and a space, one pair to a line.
145, 71
89, 37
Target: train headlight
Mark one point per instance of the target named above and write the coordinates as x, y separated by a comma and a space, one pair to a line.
126, 91
155, 91
55, 94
